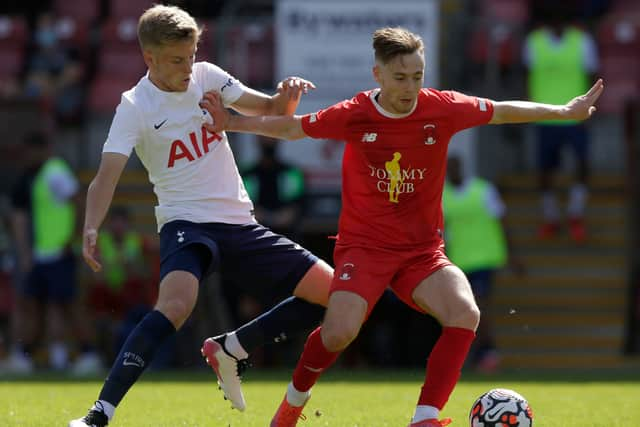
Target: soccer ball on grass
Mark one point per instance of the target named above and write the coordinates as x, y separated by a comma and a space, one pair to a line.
501, 408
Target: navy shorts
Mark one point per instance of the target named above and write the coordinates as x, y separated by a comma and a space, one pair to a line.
250, 255
53, 281
551, 139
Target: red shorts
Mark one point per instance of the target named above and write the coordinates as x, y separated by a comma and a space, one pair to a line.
368, 271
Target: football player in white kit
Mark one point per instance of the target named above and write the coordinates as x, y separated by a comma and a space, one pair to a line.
205, 217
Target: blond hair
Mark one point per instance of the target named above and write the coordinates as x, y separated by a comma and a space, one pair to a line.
161, 24
390, 42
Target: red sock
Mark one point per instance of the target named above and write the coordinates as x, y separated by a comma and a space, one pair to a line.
314, 360
444, 366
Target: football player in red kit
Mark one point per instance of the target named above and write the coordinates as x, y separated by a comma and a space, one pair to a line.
390, 229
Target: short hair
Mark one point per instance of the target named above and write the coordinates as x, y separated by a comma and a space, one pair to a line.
390, 42
162, 24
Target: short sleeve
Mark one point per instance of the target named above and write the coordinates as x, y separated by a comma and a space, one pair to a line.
328, 123
467, 111
215, 78
125, 132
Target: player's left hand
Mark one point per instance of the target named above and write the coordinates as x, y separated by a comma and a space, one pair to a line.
582, 107
294, 87
212, 102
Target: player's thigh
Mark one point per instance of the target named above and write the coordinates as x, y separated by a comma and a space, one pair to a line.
420, 264
346, 312
181, 272
315, 284
366, 272
265, 263
447, 295
177, 296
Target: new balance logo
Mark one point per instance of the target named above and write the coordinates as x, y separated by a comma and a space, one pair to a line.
369, 137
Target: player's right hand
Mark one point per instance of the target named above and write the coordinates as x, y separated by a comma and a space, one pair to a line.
212, 102
89, 241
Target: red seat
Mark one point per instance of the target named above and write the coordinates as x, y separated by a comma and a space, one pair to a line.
621, 74
514, 12
129, 8
105, 93
506, 45
11, 60
125, 63
13, 31
251, 53
121, 31
79, 10
73, 33
13, 36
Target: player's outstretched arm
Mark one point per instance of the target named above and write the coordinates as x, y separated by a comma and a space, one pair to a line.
99, 196
280, 127
579, 108
284, 102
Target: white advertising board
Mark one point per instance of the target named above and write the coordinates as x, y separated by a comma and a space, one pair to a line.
330, 43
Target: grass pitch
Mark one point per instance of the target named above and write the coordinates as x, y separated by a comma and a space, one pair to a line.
341, 399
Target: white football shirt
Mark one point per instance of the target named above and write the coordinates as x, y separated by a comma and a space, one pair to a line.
193, 171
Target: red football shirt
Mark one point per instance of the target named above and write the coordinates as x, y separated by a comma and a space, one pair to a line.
394, 167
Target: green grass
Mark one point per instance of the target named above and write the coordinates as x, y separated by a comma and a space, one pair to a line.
341, 399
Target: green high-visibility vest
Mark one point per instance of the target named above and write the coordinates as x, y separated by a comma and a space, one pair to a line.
290, 185
557, 73
474, 238
114, 257
53, 220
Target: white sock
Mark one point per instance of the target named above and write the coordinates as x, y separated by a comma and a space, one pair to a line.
550, 210
295, 397
106, 407
233, 346
577, 200
425, 412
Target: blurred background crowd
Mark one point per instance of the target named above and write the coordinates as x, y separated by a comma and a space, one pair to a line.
554, 256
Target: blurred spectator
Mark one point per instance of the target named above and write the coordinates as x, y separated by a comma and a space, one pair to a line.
44, 225
125, 287
562, 61
6, 286
476, 241
277, 190
47, 60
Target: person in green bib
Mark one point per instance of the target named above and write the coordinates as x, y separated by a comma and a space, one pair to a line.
44, 228
476, 241
561, 60
126, 290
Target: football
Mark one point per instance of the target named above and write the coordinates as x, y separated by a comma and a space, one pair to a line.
501, 408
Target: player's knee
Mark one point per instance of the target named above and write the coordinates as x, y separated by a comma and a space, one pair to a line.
176, 310
338, 338
465, 316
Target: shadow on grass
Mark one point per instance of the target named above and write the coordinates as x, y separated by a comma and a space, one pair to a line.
356, 375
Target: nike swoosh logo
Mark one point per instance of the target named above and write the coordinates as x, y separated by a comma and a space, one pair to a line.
156, 127
126, 363
316, 370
